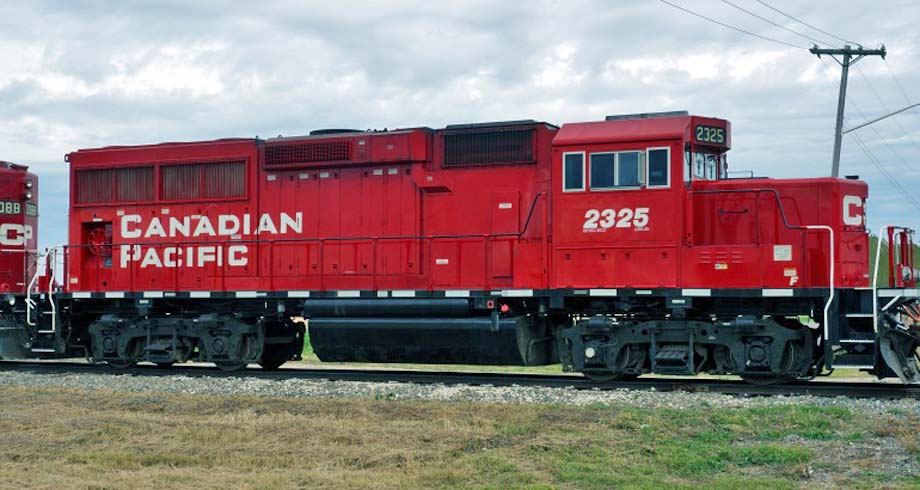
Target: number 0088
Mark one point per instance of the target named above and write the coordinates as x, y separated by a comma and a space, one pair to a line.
10, 207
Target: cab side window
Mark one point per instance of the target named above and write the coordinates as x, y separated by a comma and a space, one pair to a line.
629, 169
573, 172
658, 162
602, 170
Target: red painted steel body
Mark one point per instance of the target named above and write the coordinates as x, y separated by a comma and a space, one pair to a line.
386, 211
18, 226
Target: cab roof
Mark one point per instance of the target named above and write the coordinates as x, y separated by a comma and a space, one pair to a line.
627, 129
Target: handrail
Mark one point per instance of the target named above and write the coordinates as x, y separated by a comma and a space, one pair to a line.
782, 212
878, 255
779, 202
52, 255
29, 302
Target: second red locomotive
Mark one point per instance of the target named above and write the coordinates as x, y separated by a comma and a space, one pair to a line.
618, 247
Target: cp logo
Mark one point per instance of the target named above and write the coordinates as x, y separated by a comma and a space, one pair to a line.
852, 210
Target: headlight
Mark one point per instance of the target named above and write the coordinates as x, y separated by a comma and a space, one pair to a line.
28, 184
28, 195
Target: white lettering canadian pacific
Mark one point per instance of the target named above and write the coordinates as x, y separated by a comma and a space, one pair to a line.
172, 253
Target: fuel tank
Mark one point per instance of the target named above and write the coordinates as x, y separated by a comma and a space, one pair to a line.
480, 340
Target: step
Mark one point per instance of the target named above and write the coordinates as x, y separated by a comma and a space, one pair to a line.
42, 350
859, 315
859, 361
857, 341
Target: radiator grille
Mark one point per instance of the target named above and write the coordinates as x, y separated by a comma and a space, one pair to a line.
203, 180
225, 179
488, 147
134, 184
325, 151
94, 186
180, 181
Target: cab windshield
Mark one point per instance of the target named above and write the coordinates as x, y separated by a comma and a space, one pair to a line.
705, 166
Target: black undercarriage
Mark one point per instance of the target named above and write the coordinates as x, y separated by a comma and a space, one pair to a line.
761, 337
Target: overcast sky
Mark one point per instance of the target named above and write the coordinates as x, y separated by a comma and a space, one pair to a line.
79, 74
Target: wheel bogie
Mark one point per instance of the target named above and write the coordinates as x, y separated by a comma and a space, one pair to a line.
229, 342
605, 348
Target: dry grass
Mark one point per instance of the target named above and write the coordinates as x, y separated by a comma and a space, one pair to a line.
69, 439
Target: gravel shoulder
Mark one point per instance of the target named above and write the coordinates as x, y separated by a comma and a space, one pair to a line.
303, 388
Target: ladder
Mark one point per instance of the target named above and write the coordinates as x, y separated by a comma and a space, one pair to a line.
44, 322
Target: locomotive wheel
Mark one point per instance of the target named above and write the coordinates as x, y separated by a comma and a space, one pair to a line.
608, 376
764, 379
231, 366
788, 362
121, 364
276, 353
273, 356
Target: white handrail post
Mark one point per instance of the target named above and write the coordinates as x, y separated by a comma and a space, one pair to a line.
878, 254
52, 256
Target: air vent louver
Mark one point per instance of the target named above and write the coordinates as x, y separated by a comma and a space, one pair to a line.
493, 147
320, 151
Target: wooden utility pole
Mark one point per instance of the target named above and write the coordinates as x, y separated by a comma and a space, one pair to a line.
850, 57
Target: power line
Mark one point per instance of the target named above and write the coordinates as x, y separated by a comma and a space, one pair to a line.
884, 171
885, 106
900, 87
882, 118
874, 159
765, 4
874, 130
797, 33
701, 16
881, 168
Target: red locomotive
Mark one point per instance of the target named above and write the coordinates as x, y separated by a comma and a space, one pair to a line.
18, 256
618, 247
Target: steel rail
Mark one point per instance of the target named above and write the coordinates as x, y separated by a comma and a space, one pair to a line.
666, 384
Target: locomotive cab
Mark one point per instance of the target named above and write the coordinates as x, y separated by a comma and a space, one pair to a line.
621, 187
18, 254
646, 213
18, 226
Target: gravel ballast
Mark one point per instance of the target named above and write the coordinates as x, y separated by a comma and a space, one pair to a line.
303, 388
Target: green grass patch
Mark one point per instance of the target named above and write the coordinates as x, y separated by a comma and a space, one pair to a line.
64, 439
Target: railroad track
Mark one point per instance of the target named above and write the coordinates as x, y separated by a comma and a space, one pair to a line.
689, 384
